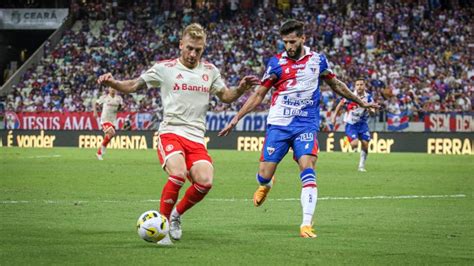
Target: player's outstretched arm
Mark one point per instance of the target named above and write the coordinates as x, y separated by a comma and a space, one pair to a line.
94, 108
229, 95
253, 101
125, 86
336, 113
340, 88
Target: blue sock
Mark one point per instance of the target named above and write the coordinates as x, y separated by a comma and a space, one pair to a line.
308, 178
264, 181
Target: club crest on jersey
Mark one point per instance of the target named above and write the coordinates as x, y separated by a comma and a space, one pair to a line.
169, 147
313, 66
270, 150
205, 77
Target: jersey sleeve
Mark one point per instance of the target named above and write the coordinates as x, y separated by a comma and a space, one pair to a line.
325, 72
100, 100
218, 83
153, 76
272, 74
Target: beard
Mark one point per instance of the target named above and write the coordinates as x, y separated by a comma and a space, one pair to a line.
297, 53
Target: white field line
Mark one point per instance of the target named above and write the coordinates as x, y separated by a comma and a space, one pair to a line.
241, 200
43, 156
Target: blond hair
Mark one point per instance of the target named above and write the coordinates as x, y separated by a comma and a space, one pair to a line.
195, 31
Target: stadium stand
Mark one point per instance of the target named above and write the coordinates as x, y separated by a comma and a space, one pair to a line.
416, 58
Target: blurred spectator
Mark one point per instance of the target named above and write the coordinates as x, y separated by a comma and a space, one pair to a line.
415, 58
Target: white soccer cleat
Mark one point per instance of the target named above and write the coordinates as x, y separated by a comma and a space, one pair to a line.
165, 241
99, 156
175, 227
362, 169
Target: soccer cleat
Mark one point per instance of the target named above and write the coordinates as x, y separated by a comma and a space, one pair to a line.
175, 227
165, 241
362, 169
260, 195
99, 156
307, 231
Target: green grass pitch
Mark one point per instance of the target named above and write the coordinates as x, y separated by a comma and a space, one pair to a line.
62, 206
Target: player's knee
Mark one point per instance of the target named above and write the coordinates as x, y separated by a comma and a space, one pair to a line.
182, 173
205, 181
111, 132
307, 161
354, 143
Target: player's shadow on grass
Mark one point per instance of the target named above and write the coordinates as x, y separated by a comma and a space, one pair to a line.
280, 230
100, 232
140, 244
115, 239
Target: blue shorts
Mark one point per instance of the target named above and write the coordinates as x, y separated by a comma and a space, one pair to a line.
358, 131
279, 139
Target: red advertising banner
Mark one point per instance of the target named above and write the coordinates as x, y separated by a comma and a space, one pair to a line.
450, 122
434, 122
70, 121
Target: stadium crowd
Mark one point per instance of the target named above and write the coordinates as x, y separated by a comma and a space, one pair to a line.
415, 58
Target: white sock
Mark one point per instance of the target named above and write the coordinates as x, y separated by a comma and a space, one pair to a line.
363, 157
309, 197
269, 184
175, 213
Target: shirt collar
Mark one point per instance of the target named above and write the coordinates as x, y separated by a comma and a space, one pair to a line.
181, 63
306, 52
360, 96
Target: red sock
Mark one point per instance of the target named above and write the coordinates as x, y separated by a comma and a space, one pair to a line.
194, 194
106, 140
170, 194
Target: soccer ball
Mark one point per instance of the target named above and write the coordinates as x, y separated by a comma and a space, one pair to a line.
152, 226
